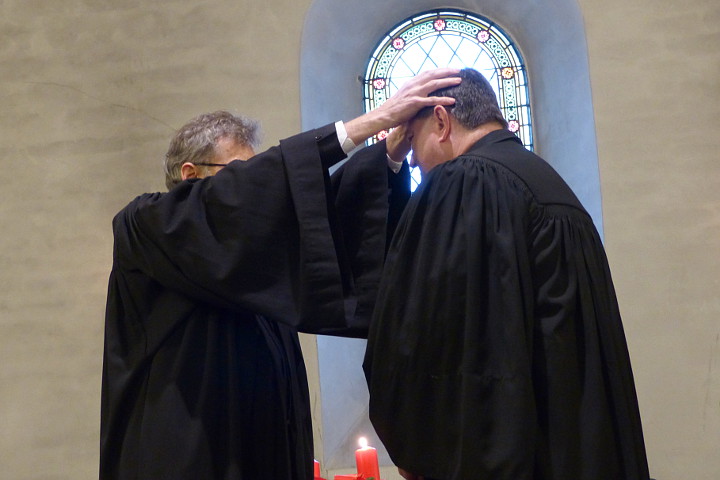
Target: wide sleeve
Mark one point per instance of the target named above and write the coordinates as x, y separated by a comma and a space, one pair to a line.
270, 235
368, 201
255, 236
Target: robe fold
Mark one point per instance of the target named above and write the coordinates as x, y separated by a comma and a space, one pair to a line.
203, 376
496, 350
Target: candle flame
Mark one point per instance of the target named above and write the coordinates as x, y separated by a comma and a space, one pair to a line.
363, 442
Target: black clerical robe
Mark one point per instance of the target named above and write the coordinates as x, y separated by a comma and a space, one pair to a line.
203, 376
496, 350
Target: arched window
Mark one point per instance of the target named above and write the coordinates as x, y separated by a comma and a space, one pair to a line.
451, 38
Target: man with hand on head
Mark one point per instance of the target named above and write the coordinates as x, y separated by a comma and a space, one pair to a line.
203, 377
496, 349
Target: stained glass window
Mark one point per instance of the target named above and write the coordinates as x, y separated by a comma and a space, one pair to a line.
451, 38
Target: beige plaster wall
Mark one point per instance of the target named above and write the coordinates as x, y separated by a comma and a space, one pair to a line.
91, 90
90, 93
655, 70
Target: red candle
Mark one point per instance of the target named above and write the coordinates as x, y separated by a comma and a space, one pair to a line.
367, 461
317, 469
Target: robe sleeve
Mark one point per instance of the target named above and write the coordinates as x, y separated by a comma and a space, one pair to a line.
256, 236
368, 199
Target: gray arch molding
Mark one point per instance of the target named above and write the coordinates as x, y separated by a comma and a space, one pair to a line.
337, 40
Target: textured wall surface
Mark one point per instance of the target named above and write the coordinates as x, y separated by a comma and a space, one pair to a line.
91, 91
655, 69
90, 94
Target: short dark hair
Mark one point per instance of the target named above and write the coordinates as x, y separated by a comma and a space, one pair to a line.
475, 101
195, 141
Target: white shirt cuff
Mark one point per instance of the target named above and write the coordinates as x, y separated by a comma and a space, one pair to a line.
348, 146
394, 166
345, 142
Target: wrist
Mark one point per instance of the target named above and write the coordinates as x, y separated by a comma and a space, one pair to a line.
365, 126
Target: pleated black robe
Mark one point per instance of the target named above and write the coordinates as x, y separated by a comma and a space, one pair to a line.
497, 350
203, 376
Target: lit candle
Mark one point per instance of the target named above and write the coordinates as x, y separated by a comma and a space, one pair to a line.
367, 461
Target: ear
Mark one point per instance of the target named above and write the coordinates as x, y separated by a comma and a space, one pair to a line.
443, 123
189, 170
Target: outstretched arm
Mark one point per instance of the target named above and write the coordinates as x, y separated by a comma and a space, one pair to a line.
404, 104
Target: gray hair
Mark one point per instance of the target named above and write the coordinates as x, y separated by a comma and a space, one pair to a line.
475, 101
195, 142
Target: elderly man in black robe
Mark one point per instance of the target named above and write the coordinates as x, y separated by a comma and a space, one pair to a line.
203, 377
496, 351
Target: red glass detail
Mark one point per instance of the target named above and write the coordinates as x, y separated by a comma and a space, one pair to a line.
508, 73
398, 43
483, 36
382, 135
379, 83
439, 24
513, 126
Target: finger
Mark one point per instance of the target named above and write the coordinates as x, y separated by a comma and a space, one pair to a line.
435, 78
432, 101
397, 144
440, 83
399, 131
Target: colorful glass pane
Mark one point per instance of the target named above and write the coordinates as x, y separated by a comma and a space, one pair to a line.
451, 38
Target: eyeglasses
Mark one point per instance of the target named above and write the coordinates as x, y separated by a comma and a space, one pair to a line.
213, 164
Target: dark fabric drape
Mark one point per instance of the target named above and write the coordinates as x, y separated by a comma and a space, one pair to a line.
497, 350
203, 376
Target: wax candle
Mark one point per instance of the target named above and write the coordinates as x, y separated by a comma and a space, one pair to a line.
316, 473
367, 461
